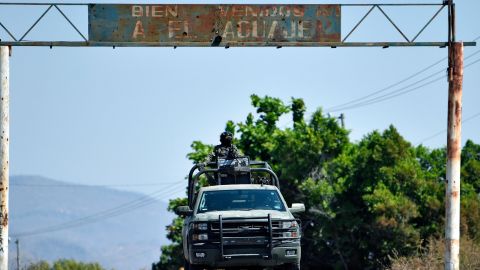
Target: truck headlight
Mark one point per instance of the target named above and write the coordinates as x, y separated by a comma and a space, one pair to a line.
291, 252
200, 237
200, 254
290, 234
289, 224
201, 226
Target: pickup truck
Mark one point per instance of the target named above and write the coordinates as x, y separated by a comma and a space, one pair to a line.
242, 226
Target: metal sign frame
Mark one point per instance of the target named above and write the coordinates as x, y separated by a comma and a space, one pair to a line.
455, 73
85, 42
214, 24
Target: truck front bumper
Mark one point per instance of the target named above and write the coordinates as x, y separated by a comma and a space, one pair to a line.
212, 257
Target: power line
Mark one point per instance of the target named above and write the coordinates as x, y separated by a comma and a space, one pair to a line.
108, 213
124, 208
360, 101
334, 108
67, 185
445, 130
405, 89
390, 96
394, 92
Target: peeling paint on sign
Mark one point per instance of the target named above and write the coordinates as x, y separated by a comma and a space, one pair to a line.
248, 25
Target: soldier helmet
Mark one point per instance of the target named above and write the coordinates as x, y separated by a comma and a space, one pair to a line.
226, 137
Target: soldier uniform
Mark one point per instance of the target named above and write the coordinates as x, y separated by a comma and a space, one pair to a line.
226, 149
227, 152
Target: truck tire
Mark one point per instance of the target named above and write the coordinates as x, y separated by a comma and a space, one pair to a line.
195, 267
189, 266
292, 266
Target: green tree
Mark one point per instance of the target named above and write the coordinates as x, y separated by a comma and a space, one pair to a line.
367, 204
41, 265
64, 264
69, 264
172, 255
295, 153
470, 190
365, 201
471, 165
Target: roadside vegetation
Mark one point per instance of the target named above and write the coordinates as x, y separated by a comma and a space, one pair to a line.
430, 257
373, 204
64, 264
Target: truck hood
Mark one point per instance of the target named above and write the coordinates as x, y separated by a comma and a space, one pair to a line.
243, 214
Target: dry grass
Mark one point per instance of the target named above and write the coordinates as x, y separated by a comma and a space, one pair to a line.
432, 256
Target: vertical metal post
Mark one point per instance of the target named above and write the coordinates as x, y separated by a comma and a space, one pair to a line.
342, 120
220, 224
4, 153
452, 201
270, 238
18, 253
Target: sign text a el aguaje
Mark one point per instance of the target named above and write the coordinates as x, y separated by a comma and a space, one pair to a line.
241, 25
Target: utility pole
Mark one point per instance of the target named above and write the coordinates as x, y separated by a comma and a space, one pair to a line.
18, 254
342, 120
454, 146
4, 153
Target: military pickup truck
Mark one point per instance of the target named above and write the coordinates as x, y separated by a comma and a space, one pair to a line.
241, 220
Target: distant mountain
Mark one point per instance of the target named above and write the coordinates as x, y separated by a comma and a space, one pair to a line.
62, 224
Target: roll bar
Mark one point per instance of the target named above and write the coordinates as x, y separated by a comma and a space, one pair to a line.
211, 167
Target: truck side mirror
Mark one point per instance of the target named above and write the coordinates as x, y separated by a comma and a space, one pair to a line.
183, 210
297, 208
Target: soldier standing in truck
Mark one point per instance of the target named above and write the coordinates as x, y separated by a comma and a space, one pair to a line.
225, 149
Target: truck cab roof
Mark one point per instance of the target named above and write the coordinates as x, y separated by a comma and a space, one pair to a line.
239, 186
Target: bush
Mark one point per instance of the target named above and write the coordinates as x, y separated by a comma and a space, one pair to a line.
432, 256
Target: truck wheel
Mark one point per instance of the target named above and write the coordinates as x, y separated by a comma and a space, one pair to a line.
194, 267
189, 266
292, 266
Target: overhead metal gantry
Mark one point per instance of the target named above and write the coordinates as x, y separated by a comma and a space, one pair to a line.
85, 39
240, 25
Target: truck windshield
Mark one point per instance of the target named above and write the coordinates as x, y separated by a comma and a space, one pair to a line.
242, 199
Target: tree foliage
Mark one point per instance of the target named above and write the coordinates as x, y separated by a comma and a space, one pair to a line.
171, 257
365, 200
64, 264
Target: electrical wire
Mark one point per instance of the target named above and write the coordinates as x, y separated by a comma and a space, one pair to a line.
108, 213
68, 185
125, 208
362, 100
334, 108
445, 130
390, 96
394, 93
403, 90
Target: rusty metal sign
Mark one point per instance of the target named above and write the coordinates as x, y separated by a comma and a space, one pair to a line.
214, 25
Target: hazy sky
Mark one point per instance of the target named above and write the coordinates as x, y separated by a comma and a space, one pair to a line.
128, 115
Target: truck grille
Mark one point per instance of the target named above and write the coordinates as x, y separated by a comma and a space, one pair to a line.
236, 236
241, 229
